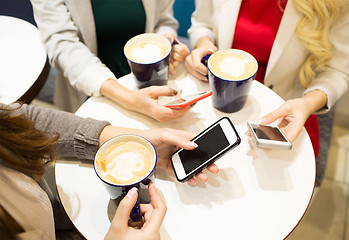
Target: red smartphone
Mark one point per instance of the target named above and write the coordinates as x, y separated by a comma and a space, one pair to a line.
185, 100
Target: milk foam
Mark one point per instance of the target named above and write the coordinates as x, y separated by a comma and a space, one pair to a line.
149, 53
233, 66
125, 162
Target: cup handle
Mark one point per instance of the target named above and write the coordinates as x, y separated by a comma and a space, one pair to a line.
174, 42
205, 58
136, 214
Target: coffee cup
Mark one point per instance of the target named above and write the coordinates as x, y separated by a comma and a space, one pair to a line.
148, 55
124, 162
231, 74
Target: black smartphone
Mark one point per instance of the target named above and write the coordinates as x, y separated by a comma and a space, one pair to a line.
212, 143
268, 136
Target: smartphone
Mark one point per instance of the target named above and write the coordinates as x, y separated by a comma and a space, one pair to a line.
185, 100
268, 136
212, 143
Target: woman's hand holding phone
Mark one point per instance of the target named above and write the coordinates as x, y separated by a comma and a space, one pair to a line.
166, 141
212, 143
178, 101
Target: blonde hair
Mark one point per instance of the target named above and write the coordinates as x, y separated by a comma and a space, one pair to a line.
318, 16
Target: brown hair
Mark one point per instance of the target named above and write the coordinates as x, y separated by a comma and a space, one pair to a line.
24, 147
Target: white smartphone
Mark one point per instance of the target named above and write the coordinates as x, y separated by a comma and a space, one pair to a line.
212, 143
268, 136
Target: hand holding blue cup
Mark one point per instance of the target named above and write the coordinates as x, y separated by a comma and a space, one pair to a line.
124, 162
231, 74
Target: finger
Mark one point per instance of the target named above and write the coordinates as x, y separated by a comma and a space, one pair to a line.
123, 211
213, 168
274, 115
192, 181
194, 73
170, 36
180, 51
172, 68
146, 208
156, 91
202, 177
159, 209
180, 139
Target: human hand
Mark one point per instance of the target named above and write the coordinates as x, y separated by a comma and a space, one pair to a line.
166, 141
193, 62
292, 115
178, 53
146, 101
121, 228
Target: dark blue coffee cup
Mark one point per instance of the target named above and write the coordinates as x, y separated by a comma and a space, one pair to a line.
231, 74
117, 191
148, 56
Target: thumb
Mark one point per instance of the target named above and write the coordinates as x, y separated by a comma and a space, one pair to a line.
273, 116
170, 36
157, 91
123, 211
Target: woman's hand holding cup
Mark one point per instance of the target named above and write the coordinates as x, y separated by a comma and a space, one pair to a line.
193, 62
153, 215
179, 52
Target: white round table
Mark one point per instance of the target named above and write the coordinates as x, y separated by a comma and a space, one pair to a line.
23, 61
258, 194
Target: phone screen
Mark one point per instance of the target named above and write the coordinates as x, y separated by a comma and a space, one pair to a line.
268, 133
209, 144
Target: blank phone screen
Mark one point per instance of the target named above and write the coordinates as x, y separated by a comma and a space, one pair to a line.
269, 133
209, 144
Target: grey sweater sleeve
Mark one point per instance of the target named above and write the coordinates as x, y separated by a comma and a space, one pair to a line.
78, 136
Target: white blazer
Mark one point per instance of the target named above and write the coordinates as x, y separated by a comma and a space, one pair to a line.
69, 35
217, 19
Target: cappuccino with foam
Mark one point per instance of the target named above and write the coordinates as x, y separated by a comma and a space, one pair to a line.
232, 64
125, 161
147, 48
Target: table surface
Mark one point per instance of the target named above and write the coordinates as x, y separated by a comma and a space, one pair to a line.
22, 57
258, 194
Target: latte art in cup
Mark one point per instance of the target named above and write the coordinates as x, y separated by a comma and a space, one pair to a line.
147, 50
125, 163
146, 53
233, 64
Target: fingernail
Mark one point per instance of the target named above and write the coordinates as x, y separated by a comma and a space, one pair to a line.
192, 144
192, 182
132, 193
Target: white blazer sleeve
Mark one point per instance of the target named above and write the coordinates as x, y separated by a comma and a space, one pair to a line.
202, 21
334, 78
166, 21
65, 49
